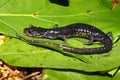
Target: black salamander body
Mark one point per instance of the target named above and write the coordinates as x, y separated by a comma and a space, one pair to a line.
78, 29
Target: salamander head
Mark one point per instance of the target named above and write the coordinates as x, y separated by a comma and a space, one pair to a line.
34, 31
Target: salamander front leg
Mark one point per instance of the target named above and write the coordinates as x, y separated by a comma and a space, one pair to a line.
55, 26
63, 38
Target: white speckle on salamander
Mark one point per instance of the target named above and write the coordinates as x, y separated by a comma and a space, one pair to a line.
96, 34
54, 32
85, 30
79, 30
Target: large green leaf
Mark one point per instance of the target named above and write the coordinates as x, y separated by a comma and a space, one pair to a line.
77, 75
73, 75
15, 15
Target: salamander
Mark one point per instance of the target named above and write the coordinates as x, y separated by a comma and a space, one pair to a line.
74, 30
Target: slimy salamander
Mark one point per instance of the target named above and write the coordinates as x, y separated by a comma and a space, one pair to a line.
74, 30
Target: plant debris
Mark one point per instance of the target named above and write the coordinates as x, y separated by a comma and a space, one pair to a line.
115, 2
16, 73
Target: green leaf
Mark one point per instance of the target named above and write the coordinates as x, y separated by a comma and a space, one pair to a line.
14, 18
72, 75
117, 75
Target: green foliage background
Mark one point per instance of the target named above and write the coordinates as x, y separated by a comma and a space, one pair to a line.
15, 15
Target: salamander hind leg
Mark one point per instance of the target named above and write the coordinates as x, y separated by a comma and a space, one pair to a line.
109, 34
90, 41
